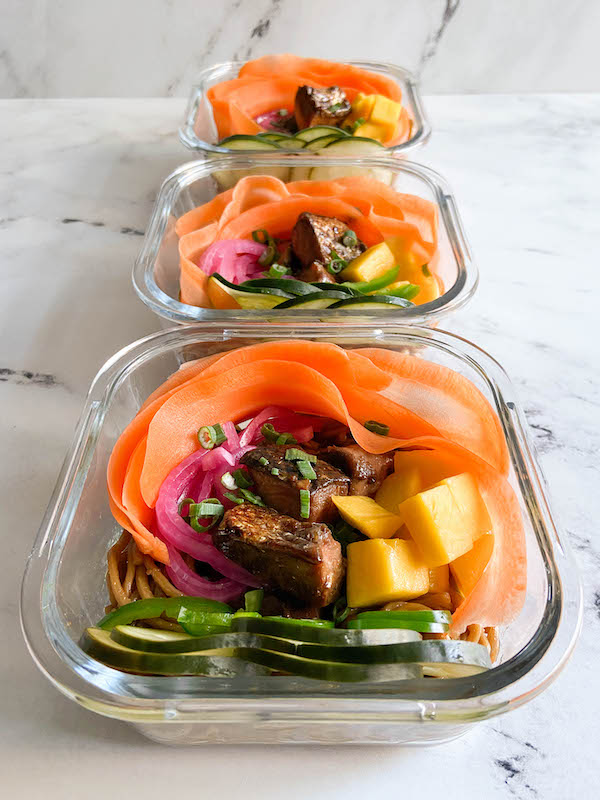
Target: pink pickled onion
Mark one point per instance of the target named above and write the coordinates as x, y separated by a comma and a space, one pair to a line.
186, 580
283, 420
269, 119
235, 259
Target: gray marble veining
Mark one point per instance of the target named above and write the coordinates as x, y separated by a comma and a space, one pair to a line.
77, 183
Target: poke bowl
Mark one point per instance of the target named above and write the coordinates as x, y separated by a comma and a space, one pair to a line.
292, 103
263, 539
304, 238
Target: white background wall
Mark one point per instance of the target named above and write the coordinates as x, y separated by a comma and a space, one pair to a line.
72, 48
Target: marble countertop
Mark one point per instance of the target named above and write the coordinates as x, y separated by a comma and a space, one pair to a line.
77, 180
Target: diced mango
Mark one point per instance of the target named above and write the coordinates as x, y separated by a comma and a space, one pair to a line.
398, 487
370, 264
468, 568
439, 579
446, 520
413, 269
424, 462
382, 570
367, 516
362, 106
385, 111
370, 131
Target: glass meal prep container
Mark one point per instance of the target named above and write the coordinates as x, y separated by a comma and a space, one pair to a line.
156, 270
199, 132
64, 588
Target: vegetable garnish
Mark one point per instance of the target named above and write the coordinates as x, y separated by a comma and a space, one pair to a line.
269, 256
377, 427
340, 610
251, 497
349, 239
364, 287
283, 112
187, 501
426, 271
285, 438
336, 265
211, 436
253, 600
295, 454
306, 470
261, 236
263, 461
355, 125
157, 606
408, 292
345, 534
274, 471
336, 107
234, 498
277, 270
242, 478
228, 481
304, 503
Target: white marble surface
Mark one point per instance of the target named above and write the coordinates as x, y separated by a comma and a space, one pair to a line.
77, 179
76, 48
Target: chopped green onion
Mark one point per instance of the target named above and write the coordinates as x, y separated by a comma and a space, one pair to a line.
336, 107
252, 498
426, 271
187, 501
277, 270
234, 498
206, 437
349, 239
345, 534
268, 256
304, 503
285, 438
364, 287
207, 508
241, 426
377, 427
275, 471
340, 611
201, 528
220, 436
295, 454
263, 461
261, 236
283, 112
356, 124
306, 470
269, 432
242, 479
336, 265
253, 600
408, 291
228, 481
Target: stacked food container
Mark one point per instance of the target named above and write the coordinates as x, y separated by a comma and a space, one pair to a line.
302, 220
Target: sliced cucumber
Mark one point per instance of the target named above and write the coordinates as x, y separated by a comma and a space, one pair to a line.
244, 142
431, 615
319, 299
373, 302
321, 142
356, 146
308, 134
352, 146
99, 644
289, 285
254, 297
270, 136
228, 178
336, 287
408, 624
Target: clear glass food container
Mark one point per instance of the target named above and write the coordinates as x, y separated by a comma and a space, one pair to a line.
64, 588
156, 270
199, 132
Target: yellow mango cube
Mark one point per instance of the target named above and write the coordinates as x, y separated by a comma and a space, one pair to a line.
369, 130
446, 520
362, 106
398, 487
382, 570
439, 579
468, 568
367, 516
370, 264
385, 112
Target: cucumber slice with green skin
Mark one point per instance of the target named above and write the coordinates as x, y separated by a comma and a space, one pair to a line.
157, 641
444, 617
318, 634
409, 624
289, 285
100, 645
254, 297
308, 134
269, 136
319, 299
374, 302
291, 143
321, 142
352, 146
245, 142
335, 287
356, 146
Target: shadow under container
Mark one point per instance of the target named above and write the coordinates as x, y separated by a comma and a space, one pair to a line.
199, 132
64, 588
156, 271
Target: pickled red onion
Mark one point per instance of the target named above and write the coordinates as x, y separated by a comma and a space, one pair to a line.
235, 259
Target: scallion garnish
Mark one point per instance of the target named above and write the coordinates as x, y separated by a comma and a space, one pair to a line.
252, 498
377, 427
304, 503
268, 256
228, 481
201, 528
207, 508
277, 270
206, 437
295, 454
283, 112
274, 471
261, 236
336, 107
426, 271
269, 432
351, 128
350, 239
253, 600
340, 611
234, 498
187, 501
408, 291
242, 479
306, 470
285, 438
241, 426
336, 265
263, 461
